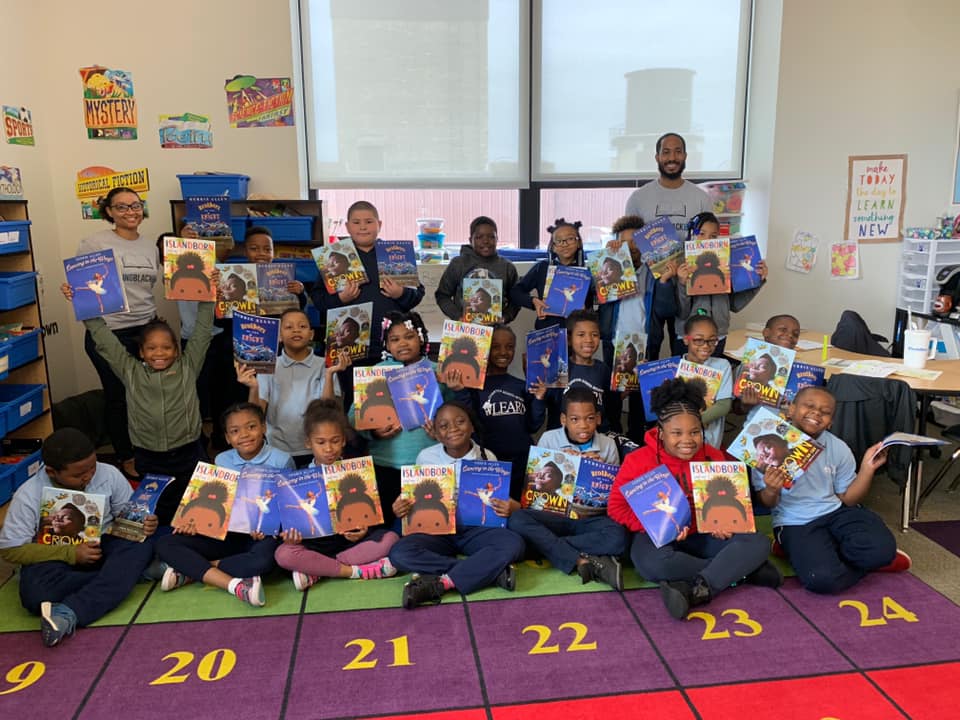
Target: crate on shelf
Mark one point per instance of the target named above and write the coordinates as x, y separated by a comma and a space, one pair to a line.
7, 483
23, 455
21, 349
231, 185
286, 228
19, 404
14, 236
238, 228
726, 196
17, 289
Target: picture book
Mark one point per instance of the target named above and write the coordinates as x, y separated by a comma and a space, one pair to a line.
348, 330
238, 290
711, 377
128, 523
568, 290
482, 300
659, 504
659, 244
70, 517
547, 357
187, 267
96, 284
352, 495
651, 375
592, 488
208, 500
339, 264
767, 440
744, 258
764, 367
254, 509
628, 351
910, 440
480, 482
397, 260
550, 479
372, 402
272, 281
802, 375
256, 341
465, 349
721, 497
711, 266
433, 490
208, 216
415, 393
613, 273
302, 502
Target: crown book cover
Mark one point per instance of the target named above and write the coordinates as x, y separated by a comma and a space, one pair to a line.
613, 273
482, 300
339, 264
767, 440
550, 479
70, 517
238, 290
766, 368
348, 330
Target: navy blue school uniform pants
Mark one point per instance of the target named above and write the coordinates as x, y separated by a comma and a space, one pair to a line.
488, 551
562, 540
179, 462
720, 562
836, 550
239, 554
91, 591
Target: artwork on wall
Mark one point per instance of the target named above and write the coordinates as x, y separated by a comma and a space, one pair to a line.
876, 187
11, 186
96, 181
259, 102
802, 254
18, 125
185, 131
845, 260
109, 108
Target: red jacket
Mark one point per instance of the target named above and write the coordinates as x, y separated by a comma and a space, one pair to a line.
645, 459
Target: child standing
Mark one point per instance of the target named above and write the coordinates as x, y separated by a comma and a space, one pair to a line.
701, 336
696, 566
489, 551
705, 226
831, 540
299, 378
566, 248
237, 562
479, 259
72, 585
592, 543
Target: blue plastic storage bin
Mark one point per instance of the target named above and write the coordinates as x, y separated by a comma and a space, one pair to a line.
17, 289
238, 228
287, 228
233, 186
7, 484
20, 404
21, 349
14, 236
306, 271
27, 468
23, 455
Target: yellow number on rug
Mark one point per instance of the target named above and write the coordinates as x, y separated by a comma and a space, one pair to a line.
24, 675
224, 658
401, 653
544, 633
891, 609
742, 617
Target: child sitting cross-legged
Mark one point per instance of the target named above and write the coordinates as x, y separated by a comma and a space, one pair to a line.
592, 543
830, 539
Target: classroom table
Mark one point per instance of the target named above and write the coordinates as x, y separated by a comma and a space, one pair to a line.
948, 383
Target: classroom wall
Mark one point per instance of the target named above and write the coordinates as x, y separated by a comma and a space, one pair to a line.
859, 77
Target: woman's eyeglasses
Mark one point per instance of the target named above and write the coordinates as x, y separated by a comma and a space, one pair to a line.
132, 207
700, 342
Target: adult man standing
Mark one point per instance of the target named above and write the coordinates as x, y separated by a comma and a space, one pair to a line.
678, 199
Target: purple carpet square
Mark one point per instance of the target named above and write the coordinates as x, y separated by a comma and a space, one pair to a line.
742, 634
384, 661
51, 681
566, 645
855, 620
213, 669
945, 533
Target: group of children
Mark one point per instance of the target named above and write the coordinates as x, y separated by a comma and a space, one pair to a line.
295, 416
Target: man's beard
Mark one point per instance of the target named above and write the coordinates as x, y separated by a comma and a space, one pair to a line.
671, 176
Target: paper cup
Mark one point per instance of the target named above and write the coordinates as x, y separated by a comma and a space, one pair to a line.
918, 347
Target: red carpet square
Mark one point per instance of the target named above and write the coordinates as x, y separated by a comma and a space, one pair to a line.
474, 714
647, 705
928, 692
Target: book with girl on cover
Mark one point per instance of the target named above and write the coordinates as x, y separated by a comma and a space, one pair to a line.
547, 357
721, 497
397, 260
433, 490
480, 482
659, 245
208, 500
744, 258
272, 281
97, 286
711, 377
415, 392
256, 340
238, 290
70, 517
711, 266
128, 523
567, 290
254, 508
465, 350
372, 402
188, 268
352, 496
302, 502
651, 375
339, 264
767, 440
482, 300
766, 368
613, 273
348, 330
659, 503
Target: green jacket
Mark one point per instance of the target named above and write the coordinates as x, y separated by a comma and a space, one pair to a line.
163, 410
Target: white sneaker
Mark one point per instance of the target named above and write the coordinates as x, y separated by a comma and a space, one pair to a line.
301, 581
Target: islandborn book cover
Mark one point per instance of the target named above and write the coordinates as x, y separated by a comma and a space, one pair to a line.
767, 440
711, 377
551, 477
711, 266
128, 523
272, 281
629, 348
547, 357
415, 393
659, 504
653, 374
397, 260
238, 290
352, 496
255, 341
302, 502
480, 482
802, 375
372, 402
568, 290
659, 245
433, 490
254, 509
613, 273
70, 517
208, 501
97, 286
765, 367
721, 497
339, 264
465, 348
187, 268
482, 300
348, 329
744, 258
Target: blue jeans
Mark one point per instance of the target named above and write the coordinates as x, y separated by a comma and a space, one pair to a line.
561, 540
239, 554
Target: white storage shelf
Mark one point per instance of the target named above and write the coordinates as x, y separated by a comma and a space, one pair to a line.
921, 260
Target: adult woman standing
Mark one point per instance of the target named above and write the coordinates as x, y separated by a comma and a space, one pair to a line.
138, 263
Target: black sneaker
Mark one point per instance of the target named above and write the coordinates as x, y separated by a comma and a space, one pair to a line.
767, 575
422, 590
606, 569
507, 579
676, 597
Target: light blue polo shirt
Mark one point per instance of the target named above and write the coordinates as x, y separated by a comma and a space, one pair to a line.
603, 445
267, 457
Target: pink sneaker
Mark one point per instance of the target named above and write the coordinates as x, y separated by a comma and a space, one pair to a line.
901, 563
